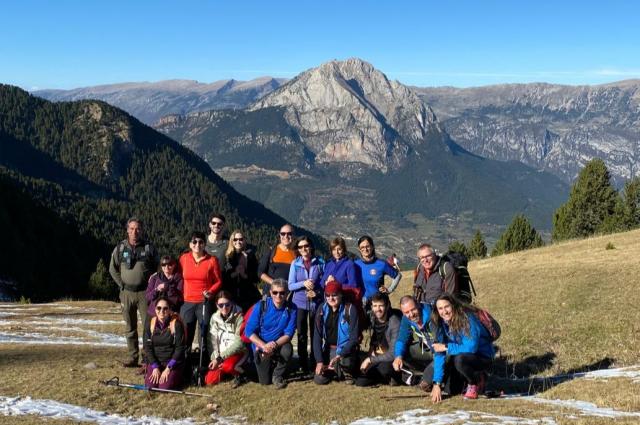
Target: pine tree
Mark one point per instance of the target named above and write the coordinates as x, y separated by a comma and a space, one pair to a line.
520, 235
592, 200
100, 284
477, 246
631, 203
457, 246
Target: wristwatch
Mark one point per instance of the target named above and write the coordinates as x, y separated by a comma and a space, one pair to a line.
437, 383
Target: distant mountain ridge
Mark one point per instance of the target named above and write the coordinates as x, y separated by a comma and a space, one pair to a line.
150, 101
547, 126
372, 140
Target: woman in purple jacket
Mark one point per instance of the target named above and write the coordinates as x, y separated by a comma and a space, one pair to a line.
304, 283
166, 282
342, 269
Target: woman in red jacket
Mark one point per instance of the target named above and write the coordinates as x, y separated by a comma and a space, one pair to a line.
201, 276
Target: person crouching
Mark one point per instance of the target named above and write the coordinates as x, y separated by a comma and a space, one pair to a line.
335, 341
164, 346
225, 345
270, 328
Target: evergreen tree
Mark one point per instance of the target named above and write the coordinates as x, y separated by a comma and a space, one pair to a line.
101, 286
631, 203
520, 235
592, 199
457, 246
477, 246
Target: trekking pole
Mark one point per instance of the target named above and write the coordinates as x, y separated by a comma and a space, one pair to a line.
202, 330
115, 382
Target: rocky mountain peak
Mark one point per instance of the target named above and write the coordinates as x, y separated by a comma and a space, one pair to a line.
348, 111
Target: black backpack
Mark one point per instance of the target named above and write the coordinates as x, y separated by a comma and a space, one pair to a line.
464, 290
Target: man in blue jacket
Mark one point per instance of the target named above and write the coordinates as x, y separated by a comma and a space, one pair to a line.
270, 328
415, 340
335, 341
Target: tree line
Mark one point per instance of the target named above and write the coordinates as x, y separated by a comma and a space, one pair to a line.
594, 207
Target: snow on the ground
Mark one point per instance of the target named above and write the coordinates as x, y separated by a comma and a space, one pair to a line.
584, 407
37, 338
19, 406
459, 417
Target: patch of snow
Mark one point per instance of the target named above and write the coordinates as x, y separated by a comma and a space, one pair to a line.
35, 338
18, 406
422, 417
83, 321
623, 372
585, 408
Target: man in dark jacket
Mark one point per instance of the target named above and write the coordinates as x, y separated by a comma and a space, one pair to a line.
276, 262
385, 324
335, 341
132, 262
434, 276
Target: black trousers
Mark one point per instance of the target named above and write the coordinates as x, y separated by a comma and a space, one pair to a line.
273, 367
191, 313
346, 368
305, 329
380, 373
458, 370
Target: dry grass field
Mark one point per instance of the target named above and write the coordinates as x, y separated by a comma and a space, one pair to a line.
564, 308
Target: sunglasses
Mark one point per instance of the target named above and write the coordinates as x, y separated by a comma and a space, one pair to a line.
286, 233
279, 293
303, 246
217, 223
224, 305
238, 239
197, 241
332, 295
167, 264
162, 308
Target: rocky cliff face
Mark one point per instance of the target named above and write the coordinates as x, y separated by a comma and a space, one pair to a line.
550, 127
150, 101
349, 112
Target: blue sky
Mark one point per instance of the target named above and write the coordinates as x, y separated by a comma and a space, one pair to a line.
66, 44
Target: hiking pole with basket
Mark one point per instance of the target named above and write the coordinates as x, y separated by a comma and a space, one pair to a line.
115, 382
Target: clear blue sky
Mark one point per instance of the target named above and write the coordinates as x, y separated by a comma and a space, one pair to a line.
66, 44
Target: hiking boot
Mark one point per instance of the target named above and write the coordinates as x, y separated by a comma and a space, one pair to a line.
471, 393
279, 383
129, 363
425, 386
237, 381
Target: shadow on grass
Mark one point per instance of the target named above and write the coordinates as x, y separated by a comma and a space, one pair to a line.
519, 377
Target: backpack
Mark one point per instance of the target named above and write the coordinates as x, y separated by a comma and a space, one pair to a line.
122, 246
464, 287
175, 318
489, 322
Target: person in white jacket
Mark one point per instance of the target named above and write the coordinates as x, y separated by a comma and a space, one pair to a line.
228, 352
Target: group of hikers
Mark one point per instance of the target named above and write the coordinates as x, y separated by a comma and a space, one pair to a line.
329, 305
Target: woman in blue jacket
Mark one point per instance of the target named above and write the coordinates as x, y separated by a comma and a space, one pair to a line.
304, 282
463, 350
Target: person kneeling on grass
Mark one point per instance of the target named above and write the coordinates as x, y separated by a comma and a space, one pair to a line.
225, 345
385, 324
270, 328
165, 347
413, 348
463, 350
335, 340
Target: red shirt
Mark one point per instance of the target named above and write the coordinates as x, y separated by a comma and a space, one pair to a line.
199, 277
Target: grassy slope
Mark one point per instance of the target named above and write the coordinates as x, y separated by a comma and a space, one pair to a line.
525, 291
